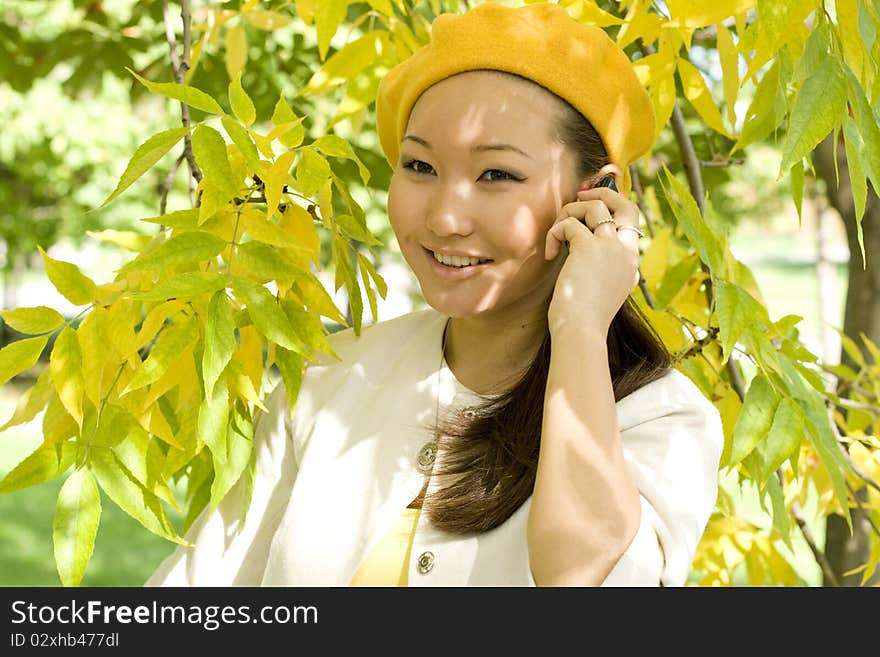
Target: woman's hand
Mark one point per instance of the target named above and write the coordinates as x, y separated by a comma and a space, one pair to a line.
601, 264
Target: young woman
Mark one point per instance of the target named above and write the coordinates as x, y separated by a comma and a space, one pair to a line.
528, 428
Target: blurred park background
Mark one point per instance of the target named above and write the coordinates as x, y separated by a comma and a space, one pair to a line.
71, 117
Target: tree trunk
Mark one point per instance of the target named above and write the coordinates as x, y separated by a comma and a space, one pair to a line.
846, 551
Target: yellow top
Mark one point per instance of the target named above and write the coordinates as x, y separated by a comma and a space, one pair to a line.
388, 562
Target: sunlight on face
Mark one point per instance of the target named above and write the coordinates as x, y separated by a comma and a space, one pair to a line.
482, 173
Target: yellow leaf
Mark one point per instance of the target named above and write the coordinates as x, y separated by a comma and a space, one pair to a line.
265, 230
729, 70
154, 320
250, 354
236, 50
127, 239
174, 340
75, 525
699, 13
328, 16
348, 62
639, 23
240, 384
66, 365
194, 57
58, 426
654, 260
729, 407
317, 299
696, 91
275, 180
76, 287
242, 105
32, 401
299, 225
267, 20
663, 99
155, 422
33, 320
172, 376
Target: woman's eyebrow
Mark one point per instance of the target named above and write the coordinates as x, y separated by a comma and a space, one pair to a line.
477, 148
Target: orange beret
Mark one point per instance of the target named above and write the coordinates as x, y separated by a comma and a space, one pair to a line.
542, 43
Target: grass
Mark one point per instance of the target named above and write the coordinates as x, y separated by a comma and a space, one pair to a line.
125, 553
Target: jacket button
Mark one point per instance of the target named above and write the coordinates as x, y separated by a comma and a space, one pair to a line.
426, 562
427, 454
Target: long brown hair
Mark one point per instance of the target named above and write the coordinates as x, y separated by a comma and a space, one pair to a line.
490, 451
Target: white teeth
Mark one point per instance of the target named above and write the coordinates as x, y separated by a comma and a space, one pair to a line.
457, 261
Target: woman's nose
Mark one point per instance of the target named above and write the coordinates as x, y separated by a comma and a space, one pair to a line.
449, 211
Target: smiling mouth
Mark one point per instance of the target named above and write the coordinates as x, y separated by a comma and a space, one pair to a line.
459, 262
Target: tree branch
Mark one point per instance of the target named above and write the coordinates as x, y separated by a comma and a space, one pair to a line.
818, 554
180, 69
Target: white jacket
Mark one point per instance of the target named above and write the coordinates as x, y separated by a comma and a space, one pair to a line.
332, 479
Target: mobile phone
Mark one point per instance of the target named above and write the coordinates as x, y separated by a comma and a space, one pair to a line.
607, 181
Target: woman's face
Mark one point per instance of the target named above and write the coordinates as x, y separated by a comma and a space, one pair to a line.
482, 175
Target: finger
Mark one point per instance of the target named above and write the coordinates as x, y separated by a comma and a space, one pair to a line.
563, 232
618, 207
589, 212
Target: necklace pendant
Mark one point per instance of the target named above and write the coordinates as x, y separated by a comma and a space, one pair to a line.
426, 456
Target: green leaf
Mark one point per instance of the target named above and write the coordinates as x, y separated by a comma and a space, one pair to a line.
345, 272
242, 105
219, 340
127, 239
311, 171
308, 326
755, 418
213, 420
282, 112
65, 363
267, 263
190, 95
21, 355
290, 366
33, 320
780, 511
351, 228
820, 105
694, 225
267, 315
144, 459
41, 465
797, 187
736, 310
381, 285
147, 154
241, 139
32, 401
171, 343
77, 516
821, 434
181, 249
674, 279
210, 151
75, 286
338, 147
177, 219
857, 177
239, 445
371, 295
130, 495
186, 285
785, 435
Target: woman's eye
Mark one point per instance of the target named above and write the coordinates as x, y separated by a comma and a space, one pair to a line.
508, 176
413, 164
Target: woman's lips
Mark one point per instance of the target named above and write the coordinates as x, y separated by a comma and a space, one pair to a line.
450, 273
